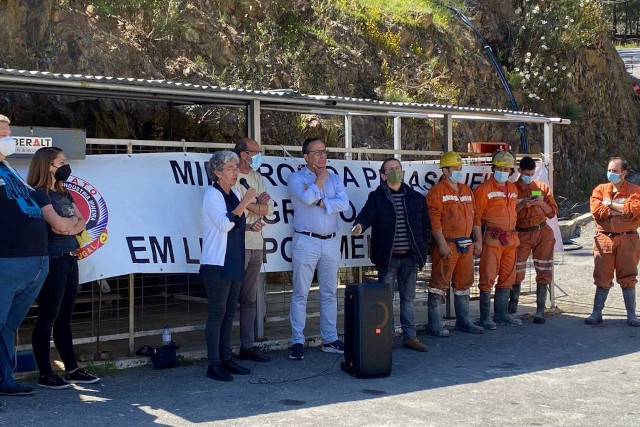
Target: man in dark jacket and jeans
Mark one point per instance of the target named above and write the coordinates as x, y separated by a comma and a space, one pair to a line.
400, 234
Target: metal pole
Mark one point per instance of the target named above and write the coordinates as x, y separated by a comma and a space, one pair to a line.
448, 133
132, 329
348, 137
548, 151
253, 120
397, 137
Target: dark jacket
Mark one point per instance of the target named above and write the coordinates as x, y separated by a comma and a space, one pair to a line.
379, 214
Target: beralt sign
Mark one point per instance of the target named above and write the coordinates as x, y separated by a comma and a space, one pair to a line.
144, 210
29, 139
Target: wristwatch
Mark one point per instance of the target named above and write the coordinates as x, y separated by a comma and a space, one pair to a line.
607, 202
318, 202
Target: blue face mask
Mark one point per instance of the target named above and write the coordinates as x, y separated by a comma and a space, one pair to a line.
526, 179
456, 176
256, 161
500, 176
613, 177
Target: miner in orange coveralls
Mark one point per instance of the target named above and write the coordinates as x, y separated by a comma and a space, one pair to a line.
535, 205
450, 204
495, 204
615, 206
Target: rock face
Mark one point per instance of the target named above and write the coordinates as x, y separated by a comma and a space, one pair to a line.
313, 47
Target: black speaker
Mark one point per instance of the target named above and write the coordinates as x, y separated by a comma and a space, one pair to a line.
368, 323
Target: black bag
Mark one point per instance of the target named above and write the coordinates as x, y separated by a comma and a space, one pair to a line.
161, 357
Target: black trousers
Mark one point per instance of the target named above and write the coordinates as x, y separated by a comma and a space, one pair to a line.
222, 302
56, 300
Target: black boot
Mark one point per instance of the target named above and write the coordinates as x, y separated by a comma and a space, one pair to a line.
217, 372
434, 327
500, 307
461, 303
541, 300
485, 311
514, 297
629, 295
598, 304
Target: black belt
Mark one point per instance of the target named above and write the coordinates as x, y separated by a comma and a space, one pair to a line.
317, 236
618, 234
534, 228
401, 255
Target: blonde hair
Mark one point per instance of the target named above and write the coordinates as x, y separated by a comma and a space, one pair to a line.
5, 119
39, 175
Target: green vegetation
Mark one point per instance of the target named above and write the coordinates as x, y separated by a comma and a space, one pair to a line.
102, 369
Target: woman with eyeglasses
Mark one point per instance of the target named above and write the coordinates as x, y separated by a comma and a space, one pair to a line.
222, 264
47, 172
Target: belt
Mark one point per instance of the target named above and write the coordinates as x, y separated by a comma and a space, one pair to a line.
535, 227
72, 253
618, 234
317, 236
401, 255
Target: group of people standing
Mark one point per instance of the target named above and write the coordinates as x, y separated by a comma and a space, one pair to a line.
38, 261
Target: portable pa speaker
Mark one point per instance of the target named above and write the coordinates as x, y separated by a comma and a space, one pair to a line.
368, 323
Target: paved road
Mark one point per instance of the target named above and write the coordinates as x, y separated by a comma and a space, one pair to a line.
631, 59
562, 373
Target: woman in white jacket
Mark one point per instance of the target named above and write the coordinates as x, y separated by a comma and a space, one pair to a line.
222, 264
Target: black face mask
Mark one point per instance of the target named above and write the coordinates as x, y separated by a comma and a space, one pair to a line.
62, 173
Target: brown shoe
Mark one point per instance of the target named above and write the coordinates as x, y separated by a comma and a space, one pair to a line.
414, 344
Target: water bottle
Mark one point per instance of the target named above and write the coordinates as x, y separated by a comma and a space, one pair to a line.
166, 336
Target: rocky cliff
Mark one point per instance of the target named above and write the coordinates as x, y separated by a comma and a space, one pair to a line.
417, 51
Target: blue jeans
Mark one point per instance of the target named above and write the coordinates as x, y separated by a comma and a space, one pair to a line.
310, 254
406, 271
20, 281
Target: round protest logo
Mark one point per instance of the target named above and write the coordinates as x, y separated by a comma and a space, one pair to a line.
94, 210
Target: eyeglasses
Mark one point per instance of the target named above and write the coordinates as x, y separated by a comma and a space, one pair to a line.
253, 151
319, 152
230, 169
393, 168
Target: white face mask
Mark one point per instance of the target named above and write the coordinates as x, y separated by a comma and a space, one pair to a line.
7, 146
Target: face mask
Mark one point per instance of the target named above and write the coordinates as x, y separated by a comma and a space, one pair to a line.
62, 173
7, 146
500, 176
613, 177
394, 176
256, 161
526, 179
456, 176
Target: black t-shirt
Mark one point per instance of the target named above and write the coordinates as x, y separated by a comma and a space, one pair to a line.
22, 231
59, 244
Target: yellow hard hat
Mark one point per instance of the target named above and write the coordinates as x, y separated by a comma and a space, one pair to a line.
450, 158
504, 159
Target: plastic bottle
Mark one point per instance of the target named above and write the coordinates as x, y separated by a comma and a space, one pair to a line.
166, 335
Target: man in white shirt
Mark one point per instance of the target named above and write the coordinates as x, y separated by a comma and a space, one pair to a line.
250, 156
318, 197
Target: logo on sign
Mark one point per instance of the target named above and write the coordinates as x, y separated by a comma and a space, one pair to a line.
31, 144
94, 209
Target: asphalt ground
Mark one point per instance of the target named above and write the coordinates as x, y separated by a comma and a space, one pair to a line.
560, 373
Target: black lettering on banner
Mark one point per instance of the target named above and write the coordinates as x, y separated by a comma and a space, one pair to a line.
267, 174
167, 249
349, 177
344, 247
270, 246
369, 175
430, 179
413, 180
275, 215
287, 210
357, 243
182, 176
187, 254
281, 167
476, 179
352, 213
134, 249
332, 169
283, 248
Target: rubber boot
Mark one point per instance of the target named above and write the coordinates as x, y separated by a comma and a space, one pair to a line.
434, 327
541, 301
629, 295
500, 307
514, 297
485, 311
461, 303
598, 304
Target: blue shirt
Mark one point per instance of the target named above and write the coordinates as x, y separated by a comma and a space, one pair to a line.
304, 196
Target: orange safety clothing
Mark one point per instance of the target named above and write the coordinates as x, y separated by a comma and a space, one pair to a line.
451, 211
616, 246
496, 209
540, 241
